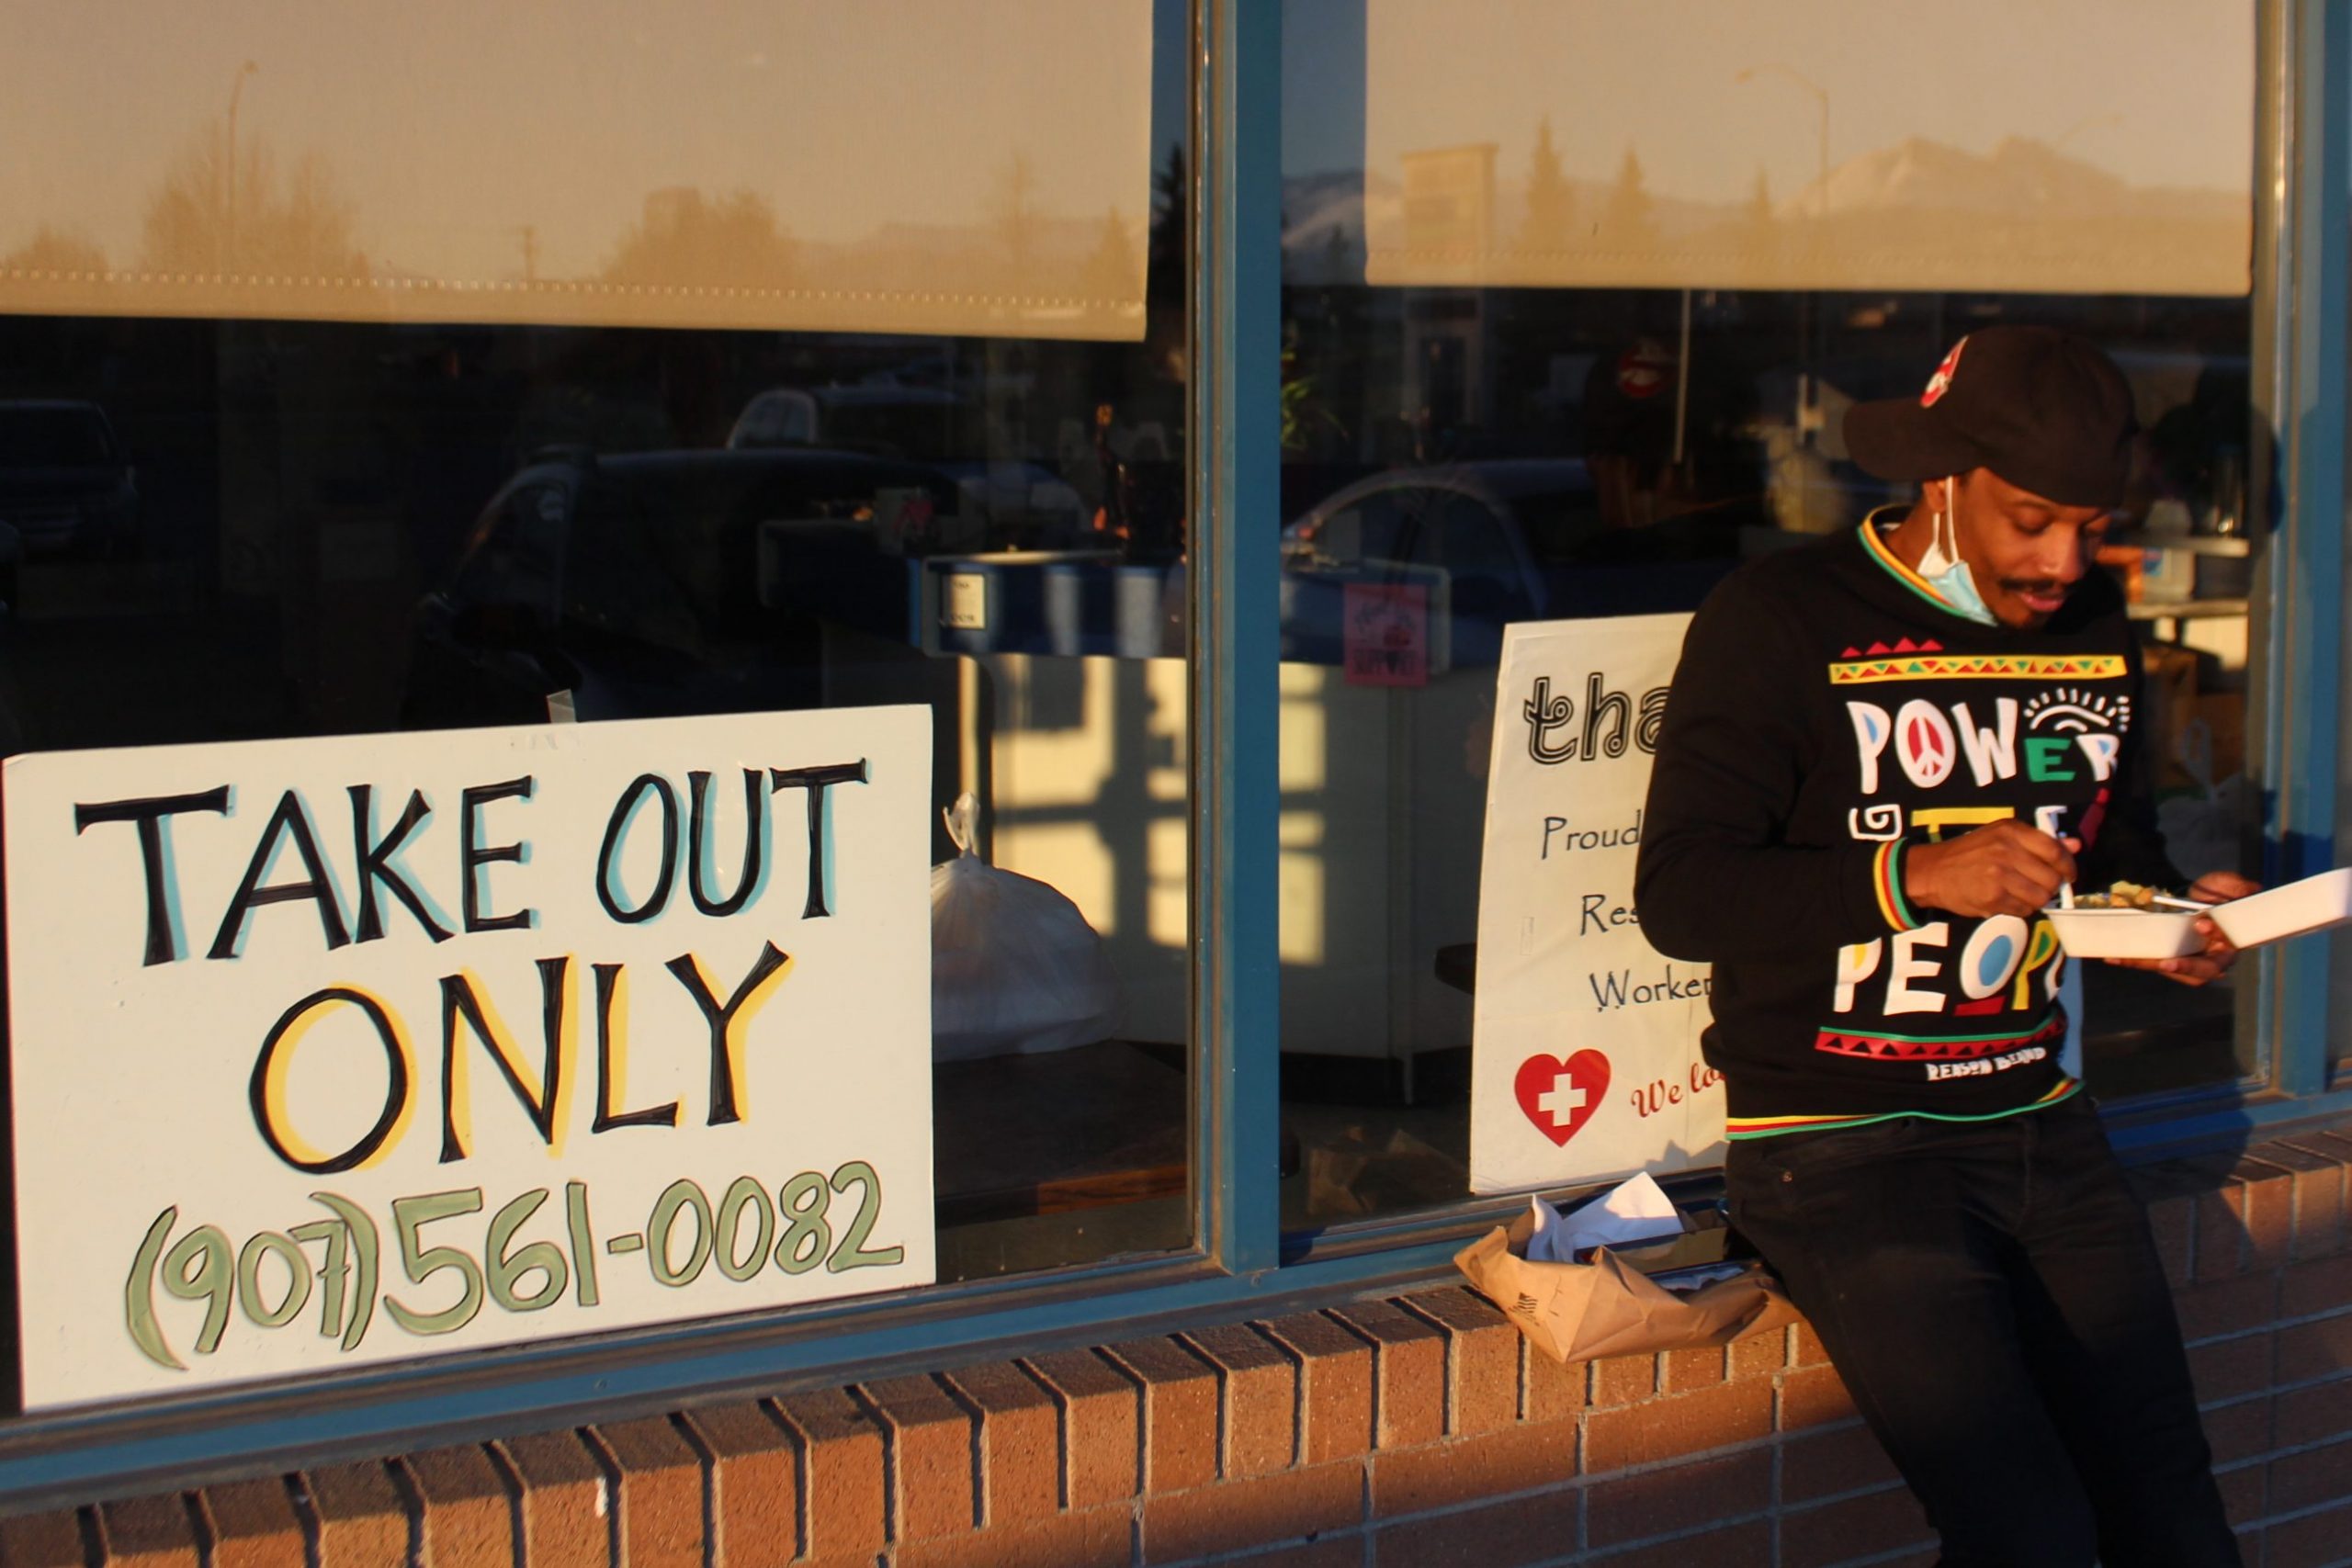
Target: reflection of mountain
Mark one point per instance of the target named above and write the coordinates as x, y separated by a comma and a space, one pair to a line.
2017, 176
1919, 214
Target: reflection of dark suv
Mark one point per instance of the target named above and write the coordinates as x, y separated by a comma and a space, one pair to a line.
669, 582
65, 484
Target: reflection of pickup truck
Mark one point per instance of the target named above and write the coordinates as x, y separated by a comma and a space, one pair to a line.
1512, 540
666, 583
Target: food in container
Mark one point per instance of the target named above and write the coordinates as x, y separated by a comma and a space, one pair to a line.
2126, 932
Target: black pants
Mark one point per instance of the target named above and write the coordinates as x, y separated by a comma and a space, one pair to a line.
1991, 1295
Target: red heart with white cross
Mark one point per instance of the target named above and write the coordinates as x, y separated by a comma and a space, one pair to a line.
1559, 1094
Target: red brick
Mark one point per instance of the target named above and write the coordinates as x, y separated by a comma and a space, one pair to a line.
1757, 1355
464, 1502
2316, 1541
660, 1482
2242, 1492
1680, 1497
1852, 1526
2239, 1431
2220, 1230
1438, 1476
2227, 1306
1407, 1372
754, 1485
2319, 1196
1623, 1380
2268, 1210
1263, 1511
149, 1532
1258, 1395
1092, 1538
2324, 1285
1680, 1371
564, 1500
2315, 1414
1099, 1421
2318, 1349
43, 1541
2227, 1368
1807, 1350
1810, 1395
1180, 1400
1676, 1424
1019, 1438
1739, 1545
2174, 1221
1826, 1462
253, 1525
361, 1517
2310, 1478
1331, 1551
1500, 1535
841, 1450
930, 1466
1482, 1351
1334, 1369
1549, 1390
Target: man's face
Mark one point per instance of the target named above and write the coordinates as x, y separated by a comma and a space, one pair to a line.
2025, 553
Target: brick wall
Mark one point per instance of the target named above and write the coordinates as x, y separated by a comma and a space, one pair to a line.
1401, 1433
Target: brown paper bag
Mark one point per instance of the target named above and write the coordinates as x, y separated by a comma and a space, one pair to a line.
1579, 1312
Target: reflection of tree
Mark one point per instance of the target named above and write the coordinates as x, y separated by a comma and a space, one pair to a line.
49, 251
1625, 220
1013, 209
1550, 202
685, 238
200, 220
1111, 270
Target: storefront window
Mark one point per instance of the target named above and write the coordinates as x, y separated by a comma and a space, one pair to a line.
763, 370
1574, 304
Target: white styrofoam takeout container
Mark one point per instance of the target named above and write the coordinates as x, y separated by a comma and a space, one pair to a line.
2126, 933
2312, 904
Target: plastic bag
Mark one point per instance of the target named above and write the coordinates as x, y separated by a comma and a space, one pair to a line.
1014, 968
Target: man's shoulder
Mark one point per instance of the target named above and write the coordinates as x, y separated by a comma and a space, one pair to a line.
1787, 579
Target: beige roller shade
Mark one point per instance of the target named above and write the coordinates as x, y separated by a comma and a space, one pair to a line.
891, 166
2069, 146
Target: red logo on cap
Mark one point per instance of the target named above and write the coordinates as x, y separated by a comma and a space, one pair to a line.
1644, 370
1940, 382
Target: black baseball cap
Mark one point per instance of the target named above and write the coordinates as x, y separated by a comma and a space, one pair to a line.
2046, 410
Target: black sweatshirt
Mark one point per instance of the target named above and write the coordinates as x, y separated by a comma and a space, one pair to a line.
1829, 710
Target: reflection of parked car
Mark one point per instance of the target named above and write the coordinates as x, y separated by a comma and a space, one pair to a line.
879, 416
667, 582
65, 483
1513, 540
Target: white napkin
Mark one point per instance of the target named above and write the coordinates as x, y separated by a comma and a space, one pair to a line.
1628, 1214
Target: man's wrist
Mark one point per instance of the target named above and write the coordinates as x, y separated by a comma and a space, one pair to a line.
1890, 882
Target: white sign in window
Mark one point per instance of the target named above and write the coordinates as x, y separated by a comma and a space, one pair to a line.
332, 1052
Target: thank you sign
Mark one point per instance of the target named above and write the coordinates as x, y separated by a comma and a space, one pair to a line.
1585, 1043
338, 1050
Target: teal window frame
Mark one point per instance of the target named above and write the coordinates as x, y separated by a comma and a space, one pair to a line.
1241, 1264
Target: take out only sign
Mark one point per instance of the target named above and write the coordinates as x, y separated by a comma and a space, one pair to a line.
342, 1051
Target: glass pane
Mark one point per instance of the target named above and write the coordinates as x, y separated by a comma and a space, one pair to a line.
1480, 432
245, 529
783, 163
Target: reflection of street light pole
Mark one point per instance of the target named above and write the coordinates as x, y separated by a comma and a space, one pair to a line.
229, 203
1821, 97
